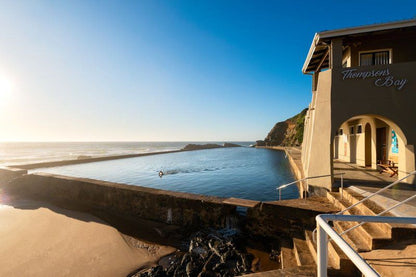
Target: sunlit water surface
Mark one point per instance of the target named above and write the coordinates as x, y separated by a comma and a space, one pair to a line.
241, 172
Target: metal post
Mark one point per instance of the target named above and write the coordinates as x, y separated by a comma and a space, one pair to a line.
342, 186
322, 253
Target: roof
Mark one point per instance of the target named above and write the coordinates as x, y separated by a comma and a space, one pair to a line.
319, 48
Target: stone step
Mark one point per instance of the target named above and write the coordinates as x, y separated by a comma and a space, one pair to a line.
302, 254
299, 271
338, 263
372, 234
353, 238
396, 231
287, 257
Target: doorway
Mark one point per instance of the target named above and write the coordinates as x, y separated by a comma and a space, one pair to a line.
367, 145
381, 145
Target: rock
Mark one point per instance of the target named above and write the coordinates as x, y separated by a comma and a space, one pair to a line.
210, 253
191, 146
227, 144
260, 143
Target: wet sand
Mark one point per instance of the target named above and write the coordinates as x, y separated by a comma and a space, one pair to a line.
38, 239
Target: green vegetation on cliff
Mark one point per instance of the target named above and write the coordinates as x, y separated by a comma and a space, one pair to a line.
288, 132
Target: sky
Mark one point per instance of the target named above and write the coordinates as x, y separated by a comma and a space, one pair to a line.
162, 70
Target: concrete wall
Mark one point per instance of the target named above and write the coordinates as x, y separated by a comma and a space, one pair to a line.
177, 208
190, 211
279, 221
317, 159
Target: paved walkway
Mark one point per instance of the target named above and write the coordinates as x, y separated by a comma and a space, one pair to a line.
371, 180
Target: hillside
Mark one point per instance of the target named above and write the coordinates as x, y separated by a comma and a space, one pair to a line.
288, 132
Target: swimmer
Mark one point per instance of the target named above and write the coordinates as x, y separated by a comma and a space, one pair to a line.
161, 174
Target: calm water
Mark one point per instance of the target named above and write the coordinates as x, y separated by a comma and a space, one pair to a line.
14, 153
230, 172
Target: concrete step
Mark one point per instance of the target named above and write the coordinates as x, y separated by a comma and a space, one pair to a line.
396, 231
338, 263
299, 271
373, 235
287, 257
353, 238
302, 254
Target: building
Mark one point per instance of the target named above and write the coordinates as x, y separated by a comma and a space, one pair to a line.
363, 107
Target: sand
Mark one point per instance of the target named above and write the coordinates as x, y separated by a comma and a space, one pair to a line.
42, 240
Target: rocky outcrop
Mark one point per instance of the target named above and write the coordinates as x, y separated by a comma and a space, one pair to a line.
190, 147
227, 144
212, 253
288, 132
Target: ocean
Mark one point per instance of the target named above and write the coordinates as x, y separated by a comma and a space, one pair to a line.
241, 172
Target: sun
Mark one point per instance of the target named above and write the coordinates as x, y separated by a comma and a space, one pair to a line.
5, 88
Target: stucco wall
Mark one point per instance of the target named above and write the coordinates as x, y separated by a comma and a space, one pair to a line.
317, 159
352, 97
402, 46
338, 100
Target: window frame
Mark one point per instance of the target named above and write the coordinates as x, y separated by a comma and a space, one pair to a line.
356, 129
390, 50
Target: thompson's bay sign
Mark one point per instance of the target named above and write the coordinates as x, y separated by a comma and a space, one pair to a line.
384, 78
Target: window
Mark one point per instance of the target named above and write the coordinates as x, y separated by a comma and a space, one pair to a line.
359, 129
375, 58
351, 130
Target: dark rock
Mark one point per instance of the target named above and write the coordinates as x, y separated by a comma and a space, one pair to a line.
260, 143
210, 253
189, 147
227, 144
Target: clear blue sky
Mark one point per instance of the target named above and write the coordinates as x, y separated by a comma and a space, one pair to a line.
162, 70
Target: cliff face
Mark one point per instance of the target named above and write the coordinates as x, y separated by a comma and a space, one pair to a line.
288, 132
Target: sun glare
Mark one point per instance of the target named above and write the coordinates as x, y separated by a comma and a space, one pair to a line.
5, 87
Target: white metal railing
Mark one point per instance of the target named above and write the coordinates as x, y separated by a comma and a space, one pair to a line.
376, 193
307, 185
325, 230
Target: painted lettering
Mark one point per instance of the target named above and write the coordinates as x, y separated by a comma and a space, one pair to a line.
390, 81
386, 79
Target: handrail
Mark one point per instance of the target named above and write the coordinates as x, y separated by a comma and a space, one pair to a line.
325, 230
373, 194
307, 178
377, 192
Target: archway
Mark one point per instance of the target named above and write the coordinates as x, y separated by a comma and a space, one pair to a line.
371, 142
367, 134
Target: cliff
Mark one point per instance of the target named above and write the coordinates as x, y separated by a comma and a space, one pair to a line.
288, 132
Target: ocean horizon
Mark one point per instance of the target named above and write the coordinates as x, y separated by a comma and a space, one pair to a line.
18, 153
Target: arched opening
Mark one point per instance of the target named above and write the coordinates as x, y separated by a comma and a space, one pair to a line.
367, 150
374, 145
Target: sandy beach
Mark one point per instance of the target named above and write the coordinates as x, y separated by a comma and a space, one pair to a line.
39, 239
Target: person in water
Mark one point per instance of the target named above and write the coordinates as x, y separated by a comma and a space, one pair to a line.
161, 174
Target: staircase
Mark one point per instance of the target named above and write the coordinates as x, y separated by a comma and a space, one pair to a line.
366, 238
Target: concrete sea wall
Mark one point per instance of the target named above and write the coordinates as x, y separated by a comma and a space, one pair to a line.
191, 211
86, 194
89, 160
